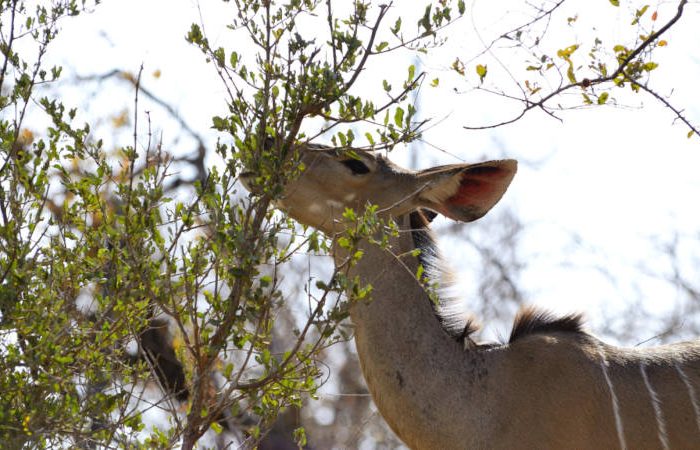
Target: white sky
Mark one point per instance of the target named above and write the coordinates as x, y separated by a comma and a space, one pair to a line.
614, 176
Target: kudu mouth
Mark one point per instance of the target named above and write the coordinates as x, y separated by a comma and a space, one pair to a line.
246, 178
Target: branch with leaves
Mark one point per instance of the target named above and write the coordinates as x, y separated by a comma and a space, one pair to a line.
632, 65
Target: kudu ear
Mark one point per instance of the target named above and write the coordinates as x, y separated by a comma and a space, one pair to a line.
465, 192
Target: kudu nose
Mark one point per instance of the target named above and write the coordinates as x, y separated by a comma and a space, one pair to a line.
246, 179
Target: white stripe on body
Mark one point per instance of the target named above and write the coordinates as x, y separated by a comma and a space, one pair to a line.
691, 393
656, 404
613, 396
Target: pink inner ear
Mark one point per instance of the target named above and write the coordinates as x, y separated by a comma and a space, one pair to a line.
481, 187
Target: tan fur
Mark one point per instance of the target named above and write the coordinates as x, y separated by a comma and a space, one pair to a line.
547, 389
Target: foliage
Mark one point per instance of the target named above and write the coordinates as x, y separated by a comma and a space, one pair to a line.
98, 253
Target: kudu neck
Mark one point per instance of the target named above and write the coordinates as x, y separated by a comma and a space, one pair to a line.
406, 356
397, 293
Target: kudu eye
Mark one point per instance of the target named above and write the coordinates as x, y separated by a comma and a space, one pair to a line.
357, 166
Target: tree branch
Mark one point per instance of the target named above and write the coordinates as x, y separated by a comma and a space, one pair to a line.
587, 83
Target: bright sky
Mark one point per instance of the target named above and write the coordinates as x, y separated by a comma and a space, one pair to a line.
600, 189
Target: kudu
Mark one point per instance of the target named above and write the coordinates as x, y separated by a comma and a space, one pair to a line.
551, 386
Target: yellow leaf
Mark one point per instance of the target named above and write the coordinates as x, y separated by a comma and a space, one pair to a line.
481, 71
156, 73
25, 138
128, 76
690, 134
458, 66
662, 43
25, 425
565, 53
121, 119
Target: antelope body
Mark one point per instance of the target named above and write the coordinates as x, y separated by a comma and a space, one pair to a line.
552, 386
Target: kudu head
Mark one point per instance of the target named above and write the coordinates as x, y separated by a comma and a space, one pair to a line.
333, 179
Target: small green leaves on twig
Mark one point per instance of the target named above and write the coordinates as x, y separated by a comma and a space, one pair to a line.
631, 65
639, 13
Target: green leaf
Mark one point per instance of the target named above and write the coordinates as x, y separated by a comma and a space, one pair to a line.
460, 7
219, 123
67, 359
602, 98
349, 213
398, 116
381, 46
411, 72
219, 56
640, 12
425, 20
195, 35
300, 437
615, 2
351, 137
435, 82
397, 27
314, 241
